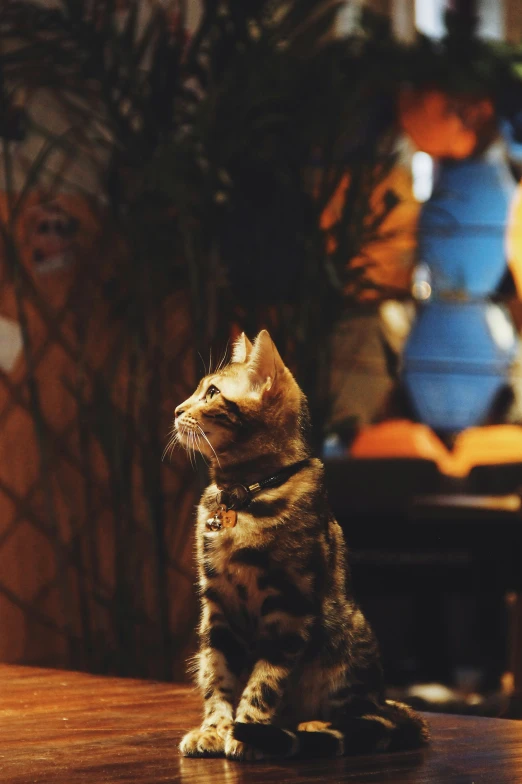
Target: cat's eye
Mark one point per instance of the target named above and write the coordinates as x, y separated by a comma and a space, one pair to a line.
211, 392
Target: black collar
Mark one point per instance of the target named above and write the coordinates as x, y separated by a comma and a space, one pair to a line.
238, 496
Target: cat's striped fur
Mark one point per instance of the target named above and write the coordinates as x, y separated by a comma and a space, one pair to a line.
287, 662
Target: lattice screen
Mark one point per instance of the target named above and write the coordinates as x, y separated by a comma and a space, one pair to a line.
95, 530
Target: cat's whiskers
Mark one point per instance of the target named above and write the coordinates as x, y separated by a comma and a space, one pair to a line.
192, 453
198, 442
195, 449
208, 442
171, 444
189, 445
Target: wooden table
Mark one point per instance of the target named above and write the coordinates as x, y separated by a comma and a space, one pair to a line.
70, 728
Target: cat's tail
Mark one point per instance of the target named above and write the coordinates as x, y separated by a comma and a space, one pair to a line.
392, 726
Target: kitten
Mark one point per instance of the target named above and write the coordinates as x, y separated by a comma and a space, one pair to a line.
287, 663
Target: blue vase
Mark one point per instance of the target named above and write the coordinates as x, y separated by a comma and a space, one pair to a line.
462, 227
456, 361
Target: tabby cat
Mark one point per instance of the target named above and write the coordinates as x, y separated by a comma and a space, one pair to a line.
287, 663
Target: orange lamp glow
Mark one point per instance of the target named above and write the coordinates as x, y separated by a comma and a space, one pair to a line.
401, 438
442, 125
388, 255
486, 446
490, 445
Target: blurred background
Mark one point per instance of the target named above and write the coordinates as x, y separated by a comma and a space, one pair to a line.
346, 175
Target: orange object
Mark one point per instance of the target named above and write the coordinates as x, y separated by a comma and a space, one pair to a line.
490, 445
486, 446
445, 126
388, 255
401, 438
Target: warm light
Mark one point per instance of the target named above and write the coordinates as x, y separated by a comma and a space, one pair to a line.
421, 285
445, 126
388, 255
401, 438
421, 290
500, 326
429, 17
422, 172
488, 445
397, 318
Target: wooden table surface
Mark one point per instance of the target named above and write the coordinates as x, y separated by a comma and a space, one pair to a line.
71, 728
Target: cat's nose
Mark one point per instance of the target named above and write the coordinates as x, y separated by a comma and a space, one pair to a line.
178, 411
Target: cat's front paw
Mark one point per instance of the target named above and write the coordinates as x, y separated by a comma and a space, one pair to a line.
241, 752
204, 742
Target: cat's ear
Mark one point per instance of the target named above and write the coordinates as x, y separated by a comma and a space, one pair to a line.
265, 366
242, 349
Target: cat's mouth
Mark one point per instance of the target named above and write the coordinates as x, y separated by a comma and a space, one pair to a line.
186, 432
193, 438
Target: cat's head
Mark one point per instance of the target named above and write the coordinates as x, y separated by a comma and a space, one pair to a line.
251, 407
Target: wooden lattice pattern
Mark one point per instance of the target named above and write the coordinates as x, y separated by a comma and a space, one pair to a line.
95, 530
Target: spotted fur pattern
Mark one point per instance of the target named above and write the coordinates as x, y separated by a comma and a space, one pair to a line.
287, 662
